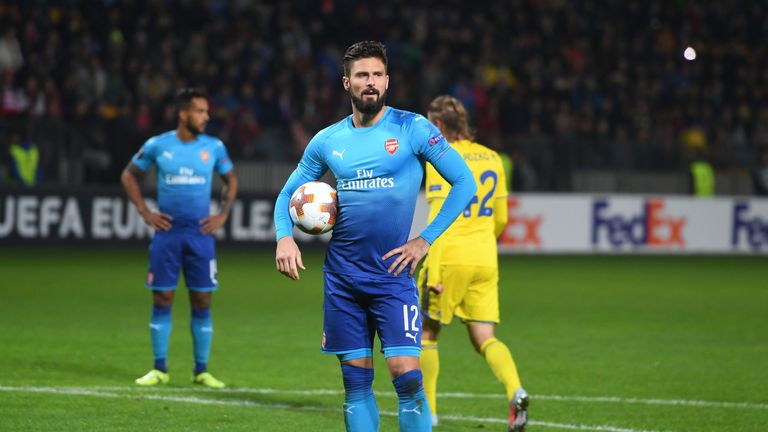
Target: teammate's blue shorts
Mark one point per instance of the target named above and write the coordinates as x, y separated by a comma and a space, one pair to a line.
186, 248
356, 308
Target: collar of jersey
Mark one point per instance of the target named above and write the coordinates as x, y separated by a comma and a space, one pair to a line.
461, 142
178, 140
351, 125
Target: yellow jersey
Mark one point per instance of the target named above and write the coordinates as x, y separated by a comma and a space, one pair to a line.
471, 239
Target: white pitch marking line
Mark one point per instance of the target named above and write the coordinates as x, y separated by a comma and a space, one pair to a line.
673, 402
460, 395
86, 391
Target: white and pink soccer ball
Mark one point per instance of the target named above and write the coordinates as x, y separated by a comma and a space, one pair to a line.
313, 207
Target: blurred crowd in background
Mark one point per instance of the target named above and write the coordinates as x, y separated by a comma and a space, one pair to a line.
559, 85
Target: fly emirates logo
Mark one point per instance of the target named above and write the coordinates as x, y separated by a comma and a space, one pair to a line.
186, 176
366, 180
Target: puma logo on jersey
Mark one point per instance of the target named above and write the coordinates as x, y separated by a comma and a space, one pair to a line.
168, 154
412, 336
339, 154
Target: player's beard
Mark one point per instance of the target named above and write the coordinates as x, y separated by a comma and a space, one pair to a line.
369, 108
193, 129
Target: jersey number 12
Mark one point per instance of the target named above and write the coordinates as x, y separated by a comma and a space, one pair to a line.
408, 320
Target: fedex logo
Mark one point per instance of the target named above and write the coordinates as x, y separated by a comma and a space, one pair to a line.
755, 229
521, 230
650, 228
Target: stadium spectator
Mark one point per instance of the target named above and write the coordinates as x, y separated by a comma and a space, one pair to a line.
11, 57
606, 85
13, 100
25, 161
702, 176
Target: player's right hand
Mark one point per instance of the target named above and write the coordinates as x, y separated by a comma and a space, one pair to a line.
288, 258
409, 256
157, 220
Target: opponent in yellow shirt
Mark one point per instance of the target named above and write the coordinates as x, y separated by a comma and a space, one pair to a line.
469, 245
460, 274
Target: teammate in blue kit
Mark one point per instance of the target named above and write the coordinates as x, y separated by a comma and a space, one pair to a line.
376, 155
185, 159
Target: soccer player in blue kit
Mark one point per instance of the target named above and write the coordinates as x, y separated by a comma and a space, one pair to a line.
185, 159
376, 155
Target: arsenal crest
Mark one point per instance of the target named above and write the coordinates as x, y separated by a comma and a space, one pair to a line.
204, 155
391, 145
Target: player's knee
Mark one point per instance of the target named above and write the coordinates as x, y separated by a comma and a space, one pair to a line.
200, 300
358, 381
476, 344
479, 334
430, 328
360, 362
409, 383
162, 298
400, 365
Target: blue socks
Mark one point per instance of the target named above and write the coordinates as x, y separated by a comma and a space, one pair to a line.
360, 411
412, 406
202, 333
160, 329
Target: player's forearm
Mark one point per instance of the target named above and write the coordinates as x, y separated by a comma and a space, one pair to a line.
434, 208
283, 223
229, 193
463, 187
132, 189
460, 195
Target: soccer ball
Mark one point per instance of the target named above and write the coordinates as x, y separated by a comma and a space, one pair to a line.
313, 207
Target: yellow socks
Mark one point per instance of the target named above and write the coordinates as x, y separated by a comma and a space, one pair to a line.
430, 368
498, 357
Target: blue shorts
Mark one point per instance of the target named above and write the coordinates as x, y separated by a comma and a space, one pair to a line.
182, 248
356, 308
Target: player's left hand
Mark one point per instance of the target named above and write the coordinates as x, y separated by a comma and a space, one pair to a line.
211, 224
410, 255
437, 289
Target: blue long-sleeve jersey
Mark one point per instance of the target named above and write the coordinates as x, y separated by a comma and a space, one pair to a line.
378, 173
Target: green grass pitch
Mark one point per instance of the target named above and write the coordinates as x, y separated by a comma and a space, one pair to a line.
641, 343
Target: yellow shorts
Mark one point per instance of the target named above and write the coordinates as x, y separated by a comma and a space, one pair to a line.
469, 292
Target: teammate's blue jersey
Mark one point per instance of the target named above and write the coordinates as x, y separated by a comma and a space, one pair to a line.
378, 172
184, 173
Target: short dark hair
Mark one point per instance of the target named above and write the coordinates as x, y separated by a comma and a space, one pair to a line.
184, 97
361, 50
